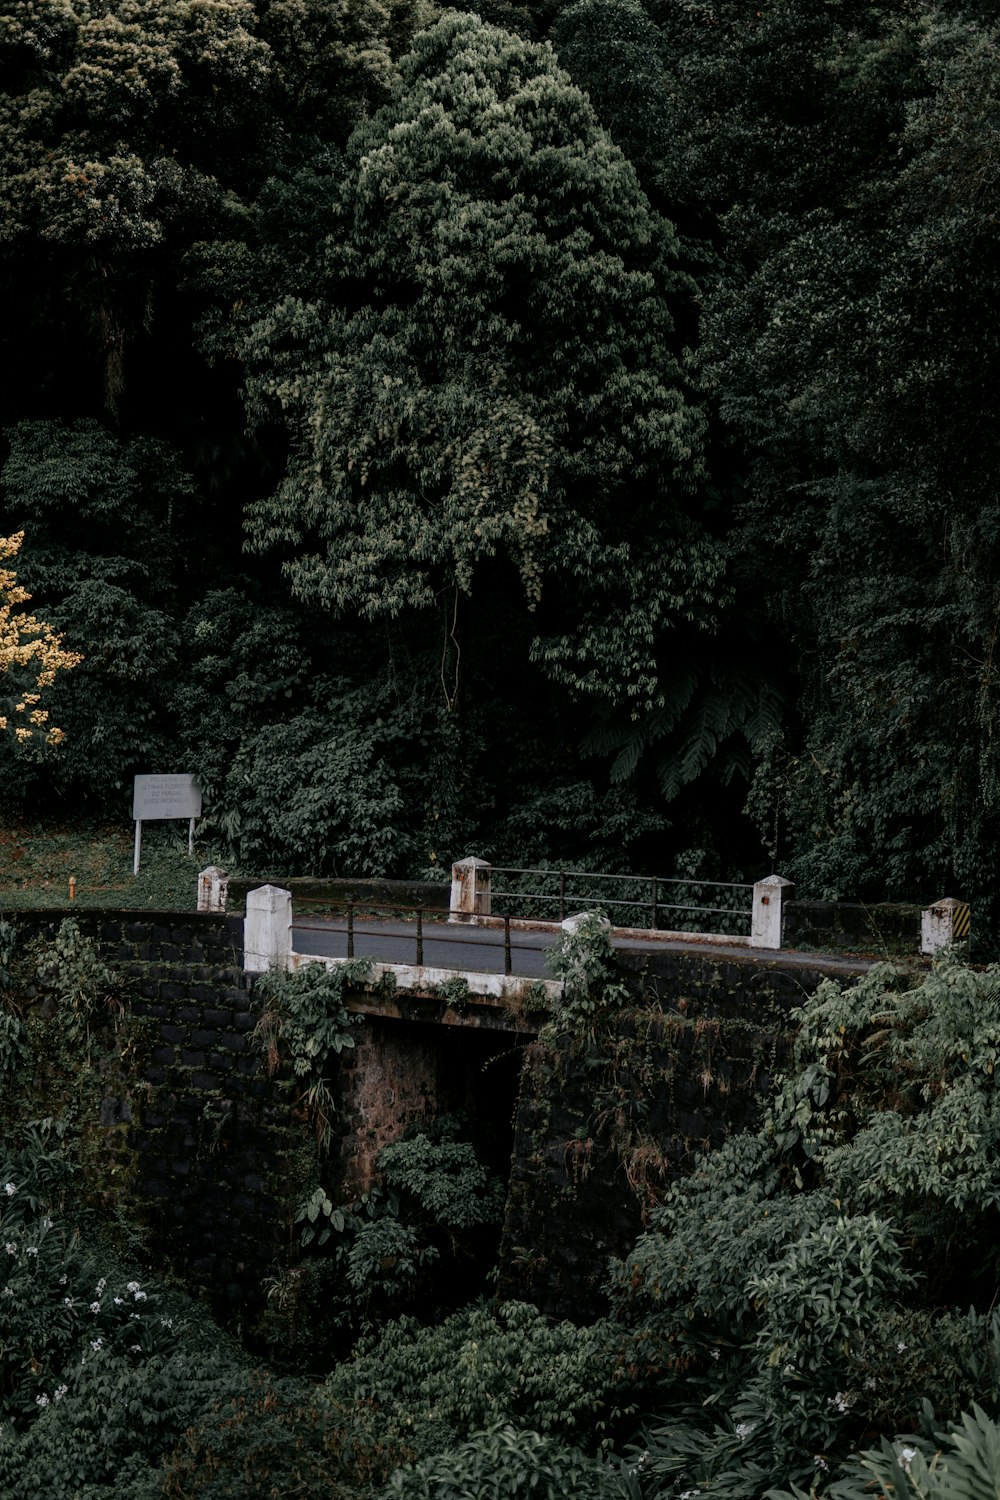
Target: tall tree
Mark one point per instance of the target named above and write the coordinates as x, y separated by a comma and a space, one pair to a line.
859, 361
31, 657
481, 383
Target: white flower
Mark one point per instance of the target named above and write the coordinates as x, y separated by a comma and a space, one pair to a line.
820, 1461
9, 1189
716, 1353
843, 1401
95, 1307
10, 1247
166, 1322
68, 1301
101, 1285
60, 1392
901, 1346
119, 1301
906, 1457
62, 1280
133, 1286
744, 1429
136, 1348
46, 1223
31, 1250
7, 1292
689, 1494
96, 1344
42, 1400
140, 1296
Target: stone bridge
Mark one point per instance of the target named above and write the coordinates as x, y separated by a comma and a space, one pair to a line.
211, 1135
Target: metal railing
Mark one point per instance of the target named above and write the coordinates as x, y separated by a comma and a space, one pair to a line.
640, 899
443, 932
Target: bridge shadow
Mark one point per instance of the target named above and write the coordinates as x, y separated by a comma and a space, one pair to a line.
404, 1074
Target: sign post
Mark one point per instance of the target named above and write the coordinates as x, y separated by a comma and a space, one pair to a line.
164, 797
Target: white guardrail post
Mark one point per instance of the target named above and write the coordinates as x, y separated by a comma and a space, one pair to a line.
947, 921
769, 897
471, 889
267, 930
213, 886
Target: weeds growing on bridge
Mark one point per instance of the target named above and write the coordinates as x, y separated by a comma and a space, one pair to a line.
303, 1026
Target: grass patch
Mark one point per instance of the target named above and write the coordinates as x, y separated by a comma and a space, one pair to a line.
37, 861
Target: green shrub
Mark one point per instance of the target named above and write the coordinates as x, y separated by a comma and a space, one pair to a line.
431, 1386
502, 1462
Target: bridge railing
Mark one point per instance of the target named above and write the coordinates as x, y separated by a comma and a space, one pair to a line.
356, 915
646, 902
640, 897
268, 922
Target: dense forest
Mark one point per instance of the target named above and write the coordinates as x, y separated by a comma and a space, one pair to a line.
559, 432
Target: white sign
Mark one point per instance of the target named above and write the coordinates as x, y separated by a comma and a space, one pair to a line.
166, 797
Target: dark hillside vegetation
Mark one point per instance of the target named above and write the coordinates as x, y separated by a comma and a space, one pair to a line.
564, 433
569, 441
810, 1311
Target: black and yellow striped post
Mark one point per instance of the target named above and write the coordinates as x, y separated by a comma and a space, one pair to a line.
947, 921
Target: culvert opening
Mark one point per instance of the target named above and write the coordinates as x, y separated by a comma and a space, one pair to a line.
436, 1087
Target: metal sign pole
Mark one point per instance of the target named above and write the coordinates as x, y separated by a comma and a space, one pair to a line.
191, 837
138, 846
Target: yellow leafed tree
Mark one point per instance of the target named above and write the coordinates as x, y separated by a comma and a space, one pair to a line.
31, 654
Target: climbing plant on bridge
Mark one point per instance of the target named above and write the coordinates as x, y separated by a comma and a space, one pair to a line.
302, 1027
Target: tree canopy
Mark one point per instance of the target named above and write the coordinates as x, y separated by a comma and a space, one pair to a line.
603, 384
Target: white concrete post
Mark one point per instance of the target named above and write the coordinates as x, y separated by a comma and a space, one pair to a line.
267, 929
947, 921
769, 897
213, 887
470, 889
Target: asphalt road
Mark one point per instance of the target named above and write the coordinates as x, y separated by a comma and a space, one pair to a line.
480, 949
477, 950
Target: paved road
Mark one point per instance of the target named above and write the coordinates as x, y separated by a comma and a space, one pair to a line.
477, 950
480, 949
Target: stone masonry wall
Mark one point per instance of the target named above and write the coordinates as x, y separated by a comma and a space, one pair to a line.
211, 1135
604, 1123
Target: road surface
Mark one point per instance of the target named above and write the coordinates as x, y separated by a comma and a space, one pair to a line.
480, 950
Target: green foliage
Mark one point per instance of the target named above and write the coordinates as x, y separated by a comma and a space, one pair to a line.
432, 1386
8, 945
442, 408
103, 520
507, 1463
963, 1462
614, 51
317, 797
443, 1177
79, 982
418, 1233
803, 1279
583, 958
15, 1050
304, 1025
